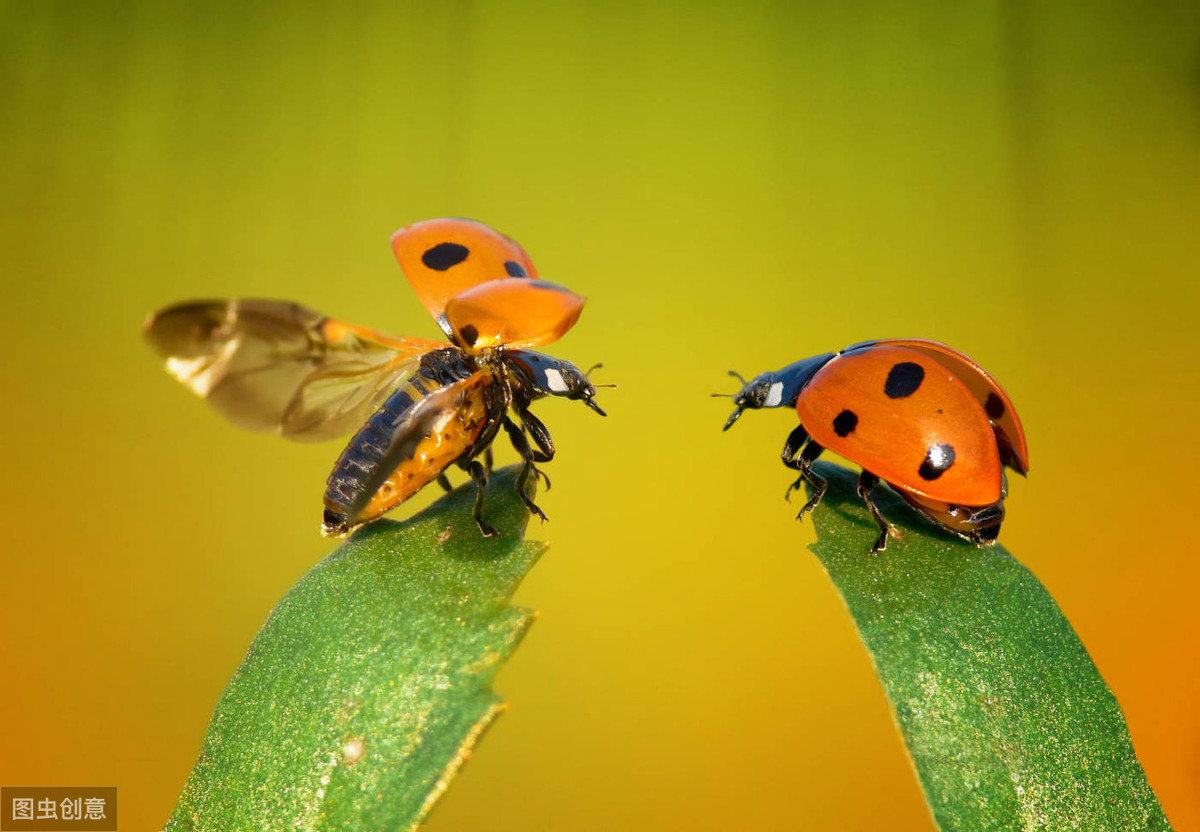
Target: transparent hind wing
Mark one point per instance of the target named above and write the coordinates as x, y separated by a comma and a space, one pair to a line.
278, 367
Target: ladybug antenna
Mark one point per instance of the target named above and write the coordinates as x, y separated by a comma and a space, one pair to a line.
588, 376
736, 375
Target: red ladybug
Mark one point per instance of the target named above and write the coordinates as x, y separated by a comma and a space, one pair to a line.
920, 416
419, 406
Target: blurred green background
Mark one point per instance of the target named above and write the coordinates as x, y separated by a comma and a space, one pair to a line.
732, 185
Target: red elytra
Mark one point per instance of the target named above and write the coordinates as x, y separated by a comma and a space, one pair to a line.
444, 257
418, 406
921, 416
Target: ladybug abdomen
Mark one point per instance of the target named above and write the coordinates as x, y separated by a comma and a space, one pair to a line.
907, 419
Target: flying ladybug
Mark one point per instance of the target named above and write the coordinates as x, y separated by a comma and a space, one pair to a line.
418, 406
916, 414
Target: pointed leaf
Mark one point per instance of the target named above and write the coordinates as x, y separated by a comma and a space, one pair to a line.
1004, 715
370, 683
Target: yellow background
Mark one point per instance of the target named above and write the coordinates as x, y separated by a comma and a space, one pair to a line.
732, 185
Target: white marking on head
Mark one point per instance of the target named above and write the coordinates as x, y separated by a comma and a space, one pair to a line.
774, 395
554, 381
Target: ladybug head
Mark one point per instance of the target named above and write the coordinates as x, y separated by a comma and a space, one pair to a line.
578, 386
540, 375
753, 394
775, 389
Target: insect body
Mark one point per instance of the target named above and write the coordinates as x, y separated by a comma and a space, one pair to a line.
418, 406
920, 416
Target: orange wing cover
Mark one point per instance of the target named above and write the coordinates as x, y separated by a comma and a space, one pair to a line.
511, 312
441, 258
996, 404
847, 408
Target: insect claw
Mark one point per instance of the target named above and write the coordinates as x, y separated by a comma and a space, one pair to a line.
533, 508
818, 493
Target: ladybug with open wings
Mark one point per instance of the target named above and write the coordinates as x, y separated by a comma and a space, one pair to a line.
916, 414
419, 406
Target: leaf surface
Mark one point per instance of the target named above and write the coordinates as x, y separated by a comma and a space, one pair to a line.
1005, 717
370, 683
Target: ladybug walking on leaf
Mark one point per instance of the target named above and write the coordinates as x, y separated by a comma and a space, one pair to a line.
419, 406
916, 414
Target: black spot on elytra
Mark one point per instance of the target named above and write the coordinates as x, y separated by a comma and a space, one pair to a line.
845, 422
469, 335
993, 407
444, 255
514, 269
938, 460
903, 380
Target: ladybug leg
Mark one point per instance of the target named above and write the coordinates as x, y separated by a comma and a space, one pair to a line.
866, 482
487, 459
987, 519
444, 482
517, 436
541, 437
803, 464
791, 447
987, 536
480, 475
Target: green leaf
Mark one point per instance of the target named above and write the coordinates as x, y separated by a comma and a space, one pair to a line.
1004, 715
370, 682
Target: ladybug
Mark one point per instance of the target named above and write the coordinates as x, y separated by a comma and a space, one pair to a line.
916, 414
418, 406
